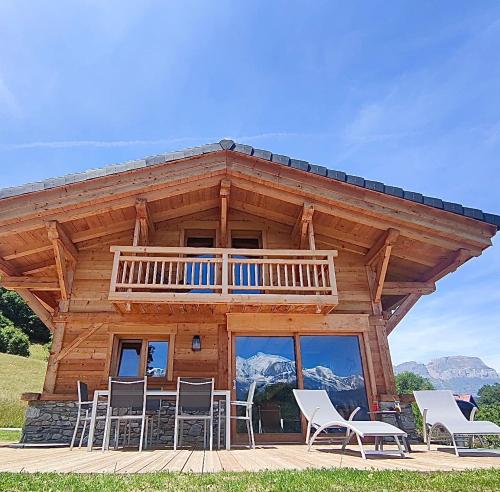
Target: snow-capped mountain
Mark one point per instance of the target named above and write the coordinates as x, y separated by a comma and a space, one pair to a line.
269, 369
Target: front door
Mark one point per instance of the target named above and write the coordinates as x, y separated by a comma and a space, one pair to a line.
270, 361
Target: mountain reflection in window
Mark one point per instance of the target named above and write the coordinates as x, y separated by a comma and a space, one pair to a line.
333, 363
270, 361
157, 359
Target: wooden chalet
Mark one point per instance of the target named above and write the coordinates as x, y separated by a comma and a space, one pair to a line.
230, 262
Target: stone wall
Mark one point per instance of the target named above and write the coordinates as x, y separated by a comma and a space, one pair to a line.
54, 422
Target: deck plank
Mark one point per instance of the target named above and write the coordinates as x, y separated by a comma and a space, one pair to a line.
268, 457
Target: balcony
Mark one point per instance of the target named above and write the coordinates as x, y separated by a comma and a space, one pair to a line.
235, 280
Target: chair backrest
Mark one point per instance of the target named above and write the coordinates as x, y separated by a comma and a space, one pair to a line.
251, 392
310, 400
127, 393
270, 416
195, 395
83, 392
440, 404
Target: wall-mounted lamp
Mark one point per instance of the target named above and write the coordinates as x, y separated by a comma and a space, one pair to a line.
196, 344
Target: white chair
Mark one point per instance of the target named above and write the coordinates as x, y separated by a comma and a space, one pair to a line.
440, 410
322, 415
123, 396
195, 401
247, 418
84, 409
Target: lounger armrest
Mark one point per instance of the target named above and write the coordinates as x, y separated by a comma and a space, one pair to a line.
473, 414
354, 412
424, 424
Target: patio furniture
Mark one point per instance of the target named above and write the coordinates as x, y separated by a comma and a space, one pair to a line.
83, 405
247, 418
195, 401
164, 395
124, 396
397, 416
322, 415
270, 420
440, 410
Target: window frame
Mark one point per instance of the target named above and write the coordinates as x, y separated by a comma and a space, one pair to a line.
118, 342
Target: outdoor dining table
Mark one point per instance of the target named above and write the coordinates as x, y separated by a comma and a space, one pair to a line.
226, 394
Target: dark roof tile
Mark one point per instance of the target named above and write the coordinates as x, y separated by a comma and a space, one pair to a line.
321, 170
281, 159
227, 144
413, 196
453, 207
393, 191
473, 213
243, 149
262, 154
355, 180
338, 175
492, 219
298, 164
374, 185
433, 202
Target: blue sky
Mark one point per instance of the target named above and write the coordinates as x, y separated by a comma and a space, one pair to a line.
401, 92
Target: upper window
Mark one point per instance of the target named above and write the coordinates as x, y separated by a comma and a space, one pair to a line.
145, 357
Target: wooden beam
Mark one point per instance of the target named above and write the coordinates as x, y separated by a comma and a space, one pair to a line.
448, 265
39, 267
401, 312
7, 269
66, 256
405, 288
301, 225
37, 307
78, 341
35, 283
56, 232
388, 238
55, 348
28, 252
225, 189
144, 225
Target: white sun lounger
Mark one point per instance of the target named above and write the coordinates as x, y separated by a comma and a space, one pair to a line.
439, 409
322, 415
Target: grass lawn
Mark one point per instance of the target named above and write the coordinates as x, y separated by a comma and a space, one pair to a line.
10, 436
19, 375
345, 480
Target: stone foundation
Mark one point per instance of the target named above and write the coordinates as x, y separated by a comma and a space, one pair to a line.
54, 422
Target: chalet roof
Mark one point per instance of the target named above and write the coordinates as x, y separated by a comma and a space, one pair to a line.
230, 145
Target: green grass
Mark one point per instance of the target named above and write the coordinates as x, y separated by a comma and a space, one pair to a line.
345, 480
19, 375
10, 436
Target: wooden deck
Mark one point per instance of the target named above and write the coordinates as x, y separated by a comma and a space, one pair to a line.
269, 457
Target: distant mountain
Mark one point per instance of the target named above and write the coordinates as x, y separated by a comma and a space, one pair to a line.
458, 373
269, 369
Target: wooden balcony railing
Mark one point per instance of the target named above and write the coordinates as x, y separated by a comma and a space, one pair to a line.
219, 275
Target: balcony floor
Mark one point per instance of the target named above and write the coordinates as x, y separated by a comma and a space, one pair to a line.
268, 457
221, 308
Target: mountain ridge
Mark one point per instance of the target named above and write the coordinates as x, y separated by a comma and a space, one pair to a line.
459, 373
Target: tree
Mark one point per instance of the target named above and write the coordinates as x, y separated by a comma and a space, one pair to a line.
13, 340
489, 394
13, 307
408, 382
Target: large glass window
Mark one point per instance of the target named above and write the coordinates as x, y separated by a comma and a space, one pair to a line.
270, 361
333, 363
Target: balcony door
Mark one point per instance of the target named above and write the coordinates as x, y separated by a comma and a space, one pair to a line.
270, 362
200, 273
280, 363
246, 274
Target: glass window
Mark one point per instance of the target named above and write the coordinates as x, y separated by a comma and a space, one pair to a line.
157, 359
333, 363
270, 361
130, 358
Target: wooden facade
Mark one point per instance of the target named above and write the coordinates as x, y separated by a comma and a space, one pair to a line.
332, 257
